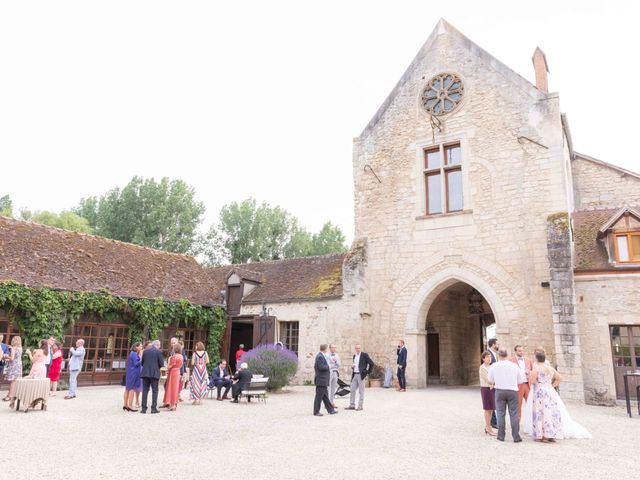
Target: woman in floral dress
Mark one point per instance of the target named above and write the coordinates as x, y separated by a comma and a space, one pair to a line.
14, 365
199, 382
546, 415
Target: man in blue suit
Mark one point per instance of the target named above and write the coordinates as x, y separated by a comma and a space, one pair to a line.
221, 378
402, 366
152, 362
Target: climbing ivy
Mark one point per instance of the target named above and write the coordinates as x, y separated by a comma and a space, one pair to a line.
40, 312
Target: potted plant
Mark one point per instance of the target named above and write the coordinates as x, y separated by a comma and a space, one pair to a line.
376, 376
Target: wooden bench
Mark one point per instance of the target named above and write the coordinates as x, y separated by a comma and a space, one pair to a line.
257, 388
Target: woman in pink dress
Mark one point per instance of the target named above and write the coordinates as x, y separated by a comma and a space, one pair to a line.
56, 367
38, 360
546, 416
174, 383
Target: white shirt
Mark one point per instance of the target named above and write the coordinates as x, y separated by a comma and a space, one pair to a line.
506, 375
356, 363
334, 361
521, 363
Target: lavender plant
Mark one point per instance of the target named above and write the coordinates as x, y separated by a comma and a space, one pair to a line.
277, 363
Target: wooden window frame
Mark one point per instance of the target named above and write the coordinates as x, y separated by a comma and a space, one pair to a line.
443, 170
628, 236
284, 334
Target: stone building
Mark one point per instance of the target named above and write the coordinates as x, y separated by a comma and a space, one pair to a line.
474, 217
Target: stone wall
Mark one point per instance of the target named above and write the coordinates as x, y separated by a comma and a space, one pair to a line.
565, 322
514, 164
603, 300
599, 186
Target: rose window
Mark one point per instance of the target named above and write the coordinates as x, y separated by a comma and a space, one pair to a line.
442, 94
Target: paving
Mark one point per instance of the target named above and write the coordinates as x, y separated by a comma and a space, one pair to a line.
435, 433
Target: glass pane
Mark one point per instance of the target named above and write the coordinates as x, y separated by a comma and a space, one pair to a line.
622, 361
436, 84
455, 96
623, 249
635, 331
453, 155
448, 105
434, 191
635, 247
447, 81
454, 190
431, 93
432, 159
455, 86
438, 108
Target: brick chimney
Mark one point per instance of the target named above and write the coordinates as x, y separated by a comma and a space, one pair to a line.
542, 69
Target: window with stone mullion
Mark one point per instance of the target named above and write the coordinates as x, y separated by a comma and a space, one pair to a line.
443, 179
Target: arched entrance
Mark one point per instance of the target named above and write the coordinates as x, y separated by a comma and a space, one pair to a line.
458, 325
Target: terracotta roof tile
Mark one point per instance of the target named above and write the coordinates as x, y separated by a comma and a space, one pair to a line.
38, 255
590, 253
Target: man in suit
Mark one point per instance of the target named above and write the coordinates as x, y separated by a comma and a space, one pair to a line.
242, 378
402, 366
494, 346
76, 359
322, 380
362, 366
525, 366
221, 378
152, 362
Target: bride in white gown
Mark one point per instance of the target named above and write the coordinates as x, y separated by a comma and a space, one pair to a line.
543, 387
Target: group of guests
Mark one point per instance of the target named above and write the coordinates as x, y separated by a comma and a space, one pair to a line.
146, 363
508, 383
46, 362
327, 372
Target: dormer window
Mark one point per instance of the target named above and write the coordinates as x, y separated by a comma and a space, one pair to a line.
627, 247
621, 237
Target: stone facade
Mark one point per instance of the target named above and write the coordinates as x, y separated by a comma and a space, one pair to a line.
515, 166
597, 184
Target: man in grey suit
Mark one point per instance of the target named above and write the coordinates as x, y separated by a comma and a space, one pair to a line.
334, 366
76, 359
321, 380
505, 376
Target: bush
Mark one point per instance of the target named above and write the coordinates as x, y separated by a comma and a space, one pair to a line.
62, 385
377, 372
277, 363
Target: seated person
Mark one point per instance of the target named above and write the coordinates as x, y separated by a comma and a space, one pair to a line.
221, 378
242, 379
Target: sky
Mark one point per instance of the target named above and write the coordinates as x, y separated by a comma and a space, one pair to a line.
263, 98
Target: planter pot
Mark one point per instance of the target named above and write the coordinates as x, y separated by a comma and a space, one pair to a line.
375, 382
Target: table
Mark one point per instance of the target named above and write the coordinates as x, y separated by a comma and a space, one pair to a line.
626, 391
30, 392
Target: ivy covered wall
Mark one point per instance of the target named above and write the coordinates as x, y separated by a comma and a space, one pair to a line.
41, 312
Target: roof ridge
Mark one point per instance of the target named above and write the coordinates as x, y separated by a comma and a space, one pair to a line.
97, 237
606, 164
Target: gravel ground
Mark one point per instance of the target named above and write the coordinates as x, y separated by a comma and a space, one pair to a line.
436, 432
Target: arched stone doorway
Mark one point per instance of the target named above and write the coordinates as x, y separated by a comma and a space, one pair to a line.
458, 325
443, 298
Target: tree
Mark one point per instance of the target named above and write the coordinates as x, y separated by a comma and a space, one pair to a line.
162, 215
248, 232
329, 240
65, 219
6, 206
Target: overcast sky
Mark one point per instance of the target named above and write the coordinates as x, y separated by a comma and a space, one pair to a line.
263, 98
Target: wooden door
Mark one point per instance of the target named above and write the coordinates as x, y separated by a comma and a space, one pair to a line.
625, 348
264, 330
433, 355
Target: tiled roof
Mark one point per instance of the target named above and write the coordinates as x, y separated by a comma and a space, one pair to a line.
590, 253
295, 279
38, 255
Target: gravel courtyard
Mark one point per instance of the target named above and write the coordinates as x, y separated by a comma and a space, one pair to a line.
435, 434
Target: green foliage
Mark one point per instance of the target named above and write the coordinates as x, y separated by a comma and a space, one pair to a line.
329, 240
6, 206
41, 312
162, 215
65, 219
248, 232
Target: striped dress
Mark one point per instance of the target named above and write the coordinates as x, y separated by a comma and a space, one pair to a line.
199, 378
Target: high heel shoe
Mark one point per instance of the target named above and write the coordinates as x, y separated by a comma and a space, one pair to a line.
487, 432
126, 409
